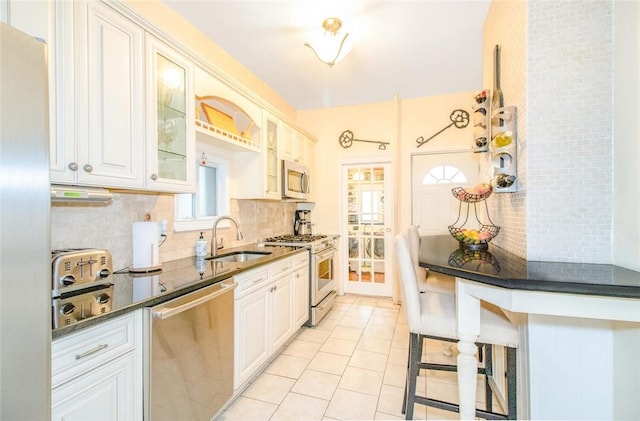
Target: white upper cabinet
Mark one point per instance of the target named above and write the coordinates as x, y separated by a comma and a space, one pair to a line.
171, 147
107, 146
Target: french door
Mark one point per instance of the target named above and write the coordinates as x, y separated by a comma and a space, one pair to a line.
367, 204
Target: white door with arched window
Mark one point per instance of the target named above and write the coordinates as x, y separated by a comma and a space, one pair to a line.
433, 176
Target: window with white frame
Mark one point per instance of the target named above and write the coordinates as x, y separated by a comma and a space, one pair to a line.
444, 174
211, 200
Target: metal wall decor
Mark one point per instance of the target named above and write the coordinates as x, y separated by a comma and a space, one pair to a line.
459, 119
346, 139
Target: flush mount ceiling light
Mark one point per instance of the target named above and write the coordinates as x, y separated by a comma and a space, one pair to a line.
331, 47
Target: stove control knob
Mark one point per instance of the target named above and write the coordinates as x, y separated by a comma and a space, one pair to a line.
67, 309
67, 280
104, 273
103, 298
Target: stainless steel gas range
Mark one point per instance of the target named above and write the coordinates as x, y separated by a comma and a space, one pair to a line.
322, 252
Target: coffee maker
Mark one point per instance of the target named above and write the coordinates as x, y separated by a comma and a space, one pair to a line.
302, 223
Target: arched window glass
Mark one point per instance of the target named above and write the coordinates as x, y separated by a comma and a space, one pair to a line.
444, 174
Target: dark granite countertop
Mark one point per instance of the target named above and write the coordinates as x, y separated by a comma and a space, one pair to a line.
177, 277
498, 267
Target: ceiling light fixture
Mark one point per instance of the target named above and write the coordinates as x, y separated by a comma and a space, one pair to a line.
331, 47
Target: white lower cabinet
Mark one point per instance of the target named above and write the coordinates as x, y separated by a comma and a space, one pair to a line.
251, 346
300, 282
267, 313
280, 300
97, 372
106, 393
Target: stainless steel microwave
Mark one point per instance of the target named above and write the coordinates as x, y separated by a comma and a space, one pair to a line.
295, 180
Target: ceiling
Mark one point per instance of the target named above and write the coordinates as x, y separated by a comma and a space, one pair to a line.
410, 48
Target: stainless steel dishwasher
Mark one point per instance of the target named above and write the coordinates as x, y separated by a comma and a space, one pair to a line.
189, 350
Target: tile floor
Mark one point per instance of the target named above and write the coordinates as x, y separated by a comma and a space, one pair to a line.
351, 366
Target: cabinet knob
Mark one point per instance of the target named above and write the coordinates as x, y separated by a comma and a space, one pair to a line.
88, 167
73, 166
154, 177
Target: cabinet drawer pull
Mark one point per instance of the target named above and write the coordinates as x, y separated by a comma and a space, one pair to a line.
91, 351
257, 281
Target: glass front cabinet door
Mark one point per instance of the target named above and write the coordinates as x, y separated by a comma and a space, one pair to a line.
171, 126
271, 161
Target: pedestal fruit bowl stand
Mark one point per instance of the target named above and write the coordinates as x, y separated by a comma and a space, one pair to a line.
474, 238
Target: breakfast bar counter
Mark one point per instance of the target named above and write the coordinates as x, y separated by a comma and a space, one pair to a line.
579, 329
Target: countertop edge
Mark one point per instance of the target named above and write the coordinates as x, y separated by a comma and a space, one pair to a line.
61, 332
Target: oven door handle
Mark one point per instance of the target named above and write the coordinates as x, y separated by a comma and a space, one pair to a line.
186, 302
325, 253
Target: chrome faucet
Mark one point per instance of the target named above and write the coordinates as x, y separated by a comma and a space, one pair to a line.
214, 237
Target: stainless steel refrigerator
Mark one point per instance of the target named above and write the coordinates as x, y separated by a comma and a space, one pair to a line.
25, 255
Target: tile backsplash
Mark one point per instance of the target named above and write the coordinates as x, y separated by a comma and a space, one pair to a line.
557, 69
109, 227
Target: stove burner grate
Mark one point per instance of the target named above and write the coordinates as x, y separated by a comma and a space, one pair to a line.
304, 238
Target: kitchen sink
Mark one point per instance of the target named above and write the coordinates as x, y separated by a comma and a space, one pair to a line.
239, 256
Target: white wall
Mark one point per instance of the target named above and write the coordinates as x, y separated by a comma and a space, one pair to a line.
416, 117
569, 131
626, 130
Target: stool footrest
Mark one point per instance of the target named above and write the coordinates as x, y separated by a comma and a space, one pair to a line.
448, 406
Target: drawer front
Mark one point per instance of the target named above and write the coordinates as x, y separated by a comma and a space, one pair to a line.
80, 352
251, 280
281, 267
301, 259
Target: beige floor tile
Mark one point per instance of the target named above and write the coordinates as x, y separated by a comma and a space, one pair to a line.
349, 405
373, 344
313, 335
348, 333
329, 363
395, 375
328, 323
347, 298
317, 384
339, 346
381, 416
300, 348
358, 322
269, 388
300, 407
398, 356
386, 312
288, 366
387, 303
390, 401
369, 360
359, 311
366, 300
378, 320
248, 409
361, 380
439, 414
379, 331
336, 370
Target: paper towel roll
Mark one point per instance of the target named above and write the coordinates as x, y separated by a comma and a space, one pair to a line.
146, 239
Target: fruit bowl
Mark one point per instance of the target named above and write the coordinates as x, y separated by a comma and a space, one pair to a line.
474, 238
474, 194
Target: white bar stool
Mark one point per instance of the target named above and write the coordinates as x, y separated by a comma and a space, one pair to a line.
432, 315
427, 281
